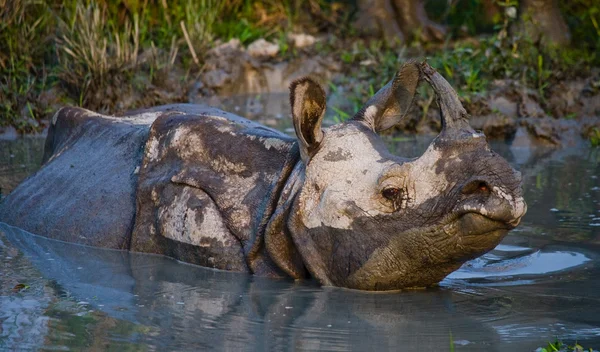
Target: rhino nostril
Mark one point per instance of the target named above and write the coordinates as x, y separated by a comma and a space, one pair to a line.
476, 186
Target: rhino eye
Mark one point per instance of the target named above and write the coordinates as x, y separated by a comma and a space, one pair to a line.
391, 193
396, 196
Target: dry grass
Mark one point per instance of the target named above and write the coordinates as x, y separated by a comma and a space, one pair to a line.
90, 52
111, 55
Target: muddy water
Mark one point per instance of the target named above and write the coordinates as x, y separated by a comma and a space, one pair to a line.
542, 282
18, 159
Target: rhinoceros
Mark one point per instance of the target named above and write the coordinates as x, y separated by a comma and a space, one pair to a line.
210, 188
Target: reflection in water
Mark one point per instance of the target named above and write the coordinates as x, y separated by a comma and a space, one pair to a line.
115, 298
526, 262
541, 282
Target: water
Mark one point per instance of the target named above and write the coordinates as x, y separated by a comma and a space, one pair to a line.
542, 282
18, 158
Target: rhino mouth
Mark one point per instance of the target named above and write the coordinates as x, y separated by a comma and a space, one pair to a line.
477, 224
463, 236
479, 234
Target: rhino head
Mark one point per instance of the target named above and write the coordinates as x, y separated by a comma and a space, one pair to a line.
363, 218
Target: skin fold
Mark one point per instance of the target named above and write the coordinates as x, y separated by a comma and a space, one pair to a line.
210, 188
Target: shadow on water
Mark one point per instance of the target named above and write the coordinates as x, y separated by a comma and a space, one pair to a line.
542, 282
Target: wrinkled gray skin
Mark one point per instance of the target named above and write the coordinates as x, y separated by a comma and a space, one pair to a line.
211, 188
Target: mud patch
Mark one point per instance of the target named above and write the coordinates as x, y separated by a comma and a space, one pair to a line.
230, 69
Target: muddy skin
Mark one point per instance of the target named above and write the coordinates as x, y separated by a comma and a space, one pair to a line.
85, 192
207, 180
210, 188
454, 203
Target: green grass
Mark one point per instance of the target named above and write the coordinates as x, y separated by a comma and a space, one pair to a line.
472, 65
595, 137
96, 52
559, 346
556, 346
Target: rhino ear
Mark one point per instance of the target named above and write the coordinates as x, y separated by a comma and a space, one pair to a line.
308, 103
392, 102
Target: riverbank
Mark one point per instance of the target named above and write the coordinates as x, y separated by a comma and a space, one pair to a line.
113, 57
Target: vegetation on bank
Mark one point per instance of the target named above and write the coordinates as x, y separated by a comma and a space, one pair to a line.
559, 346
90, 52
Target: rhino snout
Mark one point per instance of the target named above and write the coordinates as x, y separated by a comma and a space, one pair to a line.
496, 203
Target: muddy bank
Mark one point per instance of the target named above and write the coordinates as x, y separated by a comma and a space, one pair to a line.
506, 111
510, 111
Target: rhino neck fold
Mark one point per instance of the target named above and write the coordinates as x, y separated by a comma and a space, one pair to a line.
273, 253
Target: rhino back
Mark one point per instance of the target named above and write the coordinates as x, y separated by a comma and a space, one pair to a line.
207, 180
85, 191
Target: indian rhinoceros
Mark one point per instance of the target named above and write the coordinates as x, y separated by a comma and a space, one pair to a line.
210, 188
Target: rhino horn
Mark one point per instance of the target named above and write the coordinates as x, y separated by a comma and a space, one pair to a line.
392, 102
454, 116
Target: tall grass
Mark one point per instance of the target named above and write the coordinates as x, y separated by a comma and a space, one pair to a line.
23, 47
96, 49
99, 51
